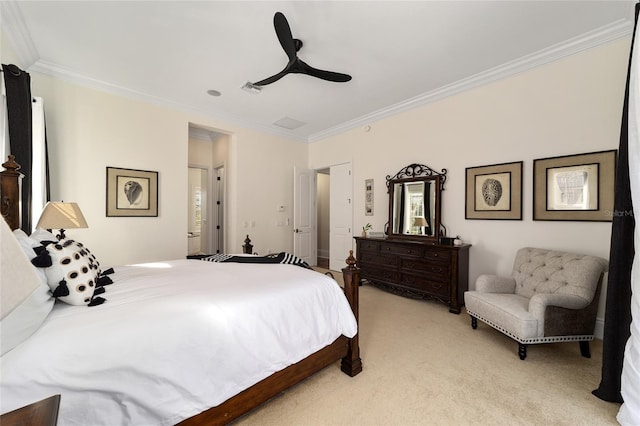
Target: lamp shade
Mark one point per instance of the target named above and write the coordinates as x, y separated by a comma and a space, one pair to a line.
419, 221
60, 215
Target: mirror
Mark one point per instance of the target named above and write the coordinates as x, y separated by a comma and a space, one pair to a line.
414, 203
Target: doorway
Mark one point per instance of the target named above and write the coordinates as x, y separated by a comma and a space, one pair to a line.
334, 215
323, 204
198, 211
208, 150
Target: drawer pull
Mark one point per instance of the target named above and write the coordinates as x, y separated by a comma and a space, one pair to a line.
435, 254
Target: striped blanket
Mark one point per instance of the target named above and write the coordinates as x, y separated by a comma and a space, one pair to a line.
282, 257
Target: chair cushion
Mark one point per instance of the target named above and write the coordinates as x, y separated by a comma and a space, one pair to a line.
547, 271
505, 312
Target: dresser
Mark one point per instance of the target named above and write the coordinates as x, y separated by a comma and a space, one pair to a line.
416, 269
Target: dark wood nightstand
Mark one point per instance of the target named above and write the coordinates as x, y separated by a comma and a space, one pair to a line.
41, 413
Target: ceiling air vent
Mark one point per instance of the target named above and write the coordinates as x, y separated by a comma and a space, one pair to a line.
289, 123
251, 88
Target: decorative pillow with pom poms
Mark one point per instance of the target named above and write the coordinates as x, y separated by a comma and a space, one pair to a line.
73, 273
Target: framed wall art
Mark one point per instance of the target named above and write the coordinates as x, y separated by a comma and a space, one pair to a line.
494, 192
368, 197
132, 192
574, 187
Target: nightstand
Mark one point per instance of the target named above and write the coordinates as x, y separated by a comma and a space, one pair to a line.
41, 413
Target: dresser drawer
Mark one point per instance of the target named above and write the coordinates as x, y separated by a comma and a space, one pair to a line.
379, 260
374, 273
369, 246
402, 249
432, 287
437, 255
433, 270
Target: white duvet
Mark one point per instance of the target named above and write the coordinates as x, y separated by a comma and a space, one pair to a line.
174, 339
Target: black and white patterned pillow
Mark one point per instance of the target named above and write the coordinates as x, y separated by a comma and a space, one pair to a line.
73, 272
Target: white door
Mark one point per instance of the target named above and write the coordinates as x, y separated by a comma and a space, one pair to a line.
304, 215
198, 213
341, 216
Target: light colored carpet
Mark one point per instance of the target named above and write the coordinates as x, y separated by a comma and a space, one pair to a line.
425, 366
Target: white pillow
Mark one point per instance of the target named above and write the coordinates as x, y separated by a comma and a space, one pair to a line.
28, 244
43, 235
25, 301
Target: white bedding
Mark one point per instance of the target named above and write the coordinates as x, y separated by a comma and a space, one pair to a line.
174, 339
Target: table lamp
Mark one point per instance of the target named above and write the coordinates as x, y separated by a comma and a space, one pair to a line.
420, 222
61, 215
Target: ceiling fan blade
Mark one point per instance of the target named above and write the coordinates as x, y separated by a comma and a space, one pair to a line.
283, 31
272, 79
325, 75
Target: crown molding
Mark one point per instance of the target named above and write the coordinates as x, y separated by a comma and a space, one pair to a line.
14, 27
54, 70
589, 40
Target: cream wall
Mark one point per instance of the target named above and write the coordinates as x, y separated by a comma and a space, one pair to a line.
89, 130
570, 106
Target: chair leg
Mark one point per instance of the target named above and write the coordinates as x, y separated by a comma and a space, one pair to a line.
474, 322
522, 351
584, 349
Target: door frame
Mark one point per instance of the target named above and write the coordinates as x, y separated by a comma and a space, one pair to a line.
214, 211
209, 217
325, 167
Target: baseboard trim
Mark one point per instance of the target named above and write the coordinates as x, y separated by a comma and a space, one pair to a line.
323, 253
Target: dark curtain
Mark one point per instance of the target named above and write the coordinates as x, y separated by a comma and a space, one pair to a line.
18, 88
617, 319
427, 206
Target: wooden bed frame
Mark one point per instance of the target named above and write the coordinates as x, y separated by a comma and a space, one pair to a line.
345, 349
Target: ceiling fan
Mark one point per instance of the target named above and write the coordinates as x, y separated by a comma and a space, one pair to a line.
291, 46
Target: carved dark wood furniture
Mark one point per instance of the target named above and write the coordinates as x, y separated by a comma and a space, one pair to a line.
416, 269
411, 261
10, 192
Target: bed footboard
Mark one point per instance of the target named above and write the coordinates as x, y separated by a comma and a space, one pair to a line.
342, 348
352, 364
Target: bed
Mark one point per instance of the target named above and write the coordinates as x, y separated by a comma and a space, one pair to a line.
182, 341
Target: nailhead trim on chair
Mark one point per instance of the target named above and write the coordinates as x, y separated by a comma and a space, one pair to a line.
533, 340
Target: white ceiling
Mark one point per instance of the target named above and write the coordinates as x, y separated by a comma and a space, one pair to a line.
400, 54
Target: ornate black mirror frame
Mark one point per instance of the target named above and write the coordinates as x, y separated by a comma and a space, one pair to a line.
430, 227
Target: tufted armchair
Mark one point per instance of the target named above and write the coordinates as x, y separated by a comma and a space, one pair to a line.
551, 296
